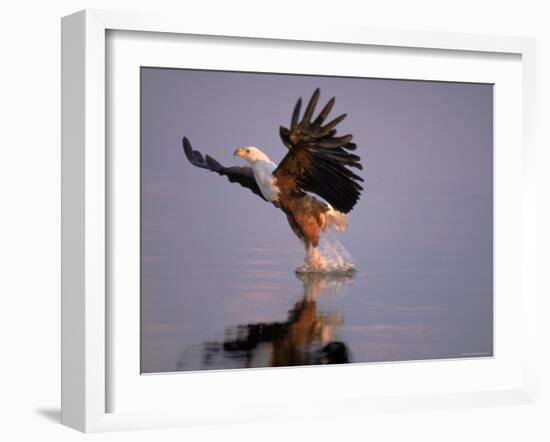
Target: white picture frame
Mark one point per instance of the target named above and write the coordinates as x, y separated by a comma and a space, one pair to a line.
86, 316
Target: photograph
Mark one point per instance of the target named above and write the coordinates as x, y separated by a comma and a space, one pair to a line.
302, 220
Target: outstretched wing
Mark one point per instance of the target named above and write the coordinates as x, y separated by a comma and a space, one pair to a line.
242, 175
318, 161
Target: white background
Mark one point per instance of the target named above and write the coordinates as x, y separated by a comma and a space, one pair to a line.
30, 221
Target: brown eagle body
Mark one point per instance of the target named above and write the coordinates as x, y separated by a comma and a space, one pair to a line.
307, 217
318, 162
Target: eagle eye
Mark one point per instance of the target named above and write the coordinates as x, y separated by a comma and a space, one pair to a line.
247, 150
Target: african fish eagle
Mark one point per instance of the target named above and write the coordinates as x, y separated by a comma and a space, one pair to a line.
317, 162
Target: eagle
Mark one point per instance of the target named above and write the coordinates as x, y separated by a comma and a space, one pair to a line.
313, 184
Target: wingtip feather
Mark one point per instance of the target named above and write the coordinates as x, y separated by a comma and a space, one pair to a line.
187, 148
311, 106
296, 113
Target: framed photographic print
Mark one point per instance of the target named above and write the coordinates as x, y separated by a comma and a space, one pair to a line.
263, 223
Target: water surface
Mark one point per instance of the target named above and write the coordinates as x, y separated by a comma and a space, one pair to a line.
246, 307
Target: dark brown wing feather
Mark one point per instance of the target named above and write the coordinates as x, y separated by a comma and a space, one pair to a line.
242, 175
317, 160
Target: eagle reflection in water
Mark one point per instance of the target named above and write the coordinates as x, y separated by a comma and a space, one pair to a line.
306, 337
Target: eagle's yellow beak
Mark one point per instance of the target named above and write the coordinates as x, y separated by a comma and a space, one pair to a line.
239, 152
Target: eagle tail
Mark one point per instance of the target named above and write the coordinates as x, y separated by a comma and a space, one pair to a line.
336, 219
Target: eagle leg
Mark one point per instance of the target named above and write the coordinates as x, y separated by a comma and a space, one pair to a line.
309, 231
316, 259
308, 220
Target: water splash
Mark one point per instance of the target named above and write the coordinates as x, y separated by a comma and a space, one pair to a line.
332, 258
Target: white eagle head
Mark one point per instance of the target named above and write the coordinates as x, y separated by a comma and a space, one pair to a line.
251, 154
